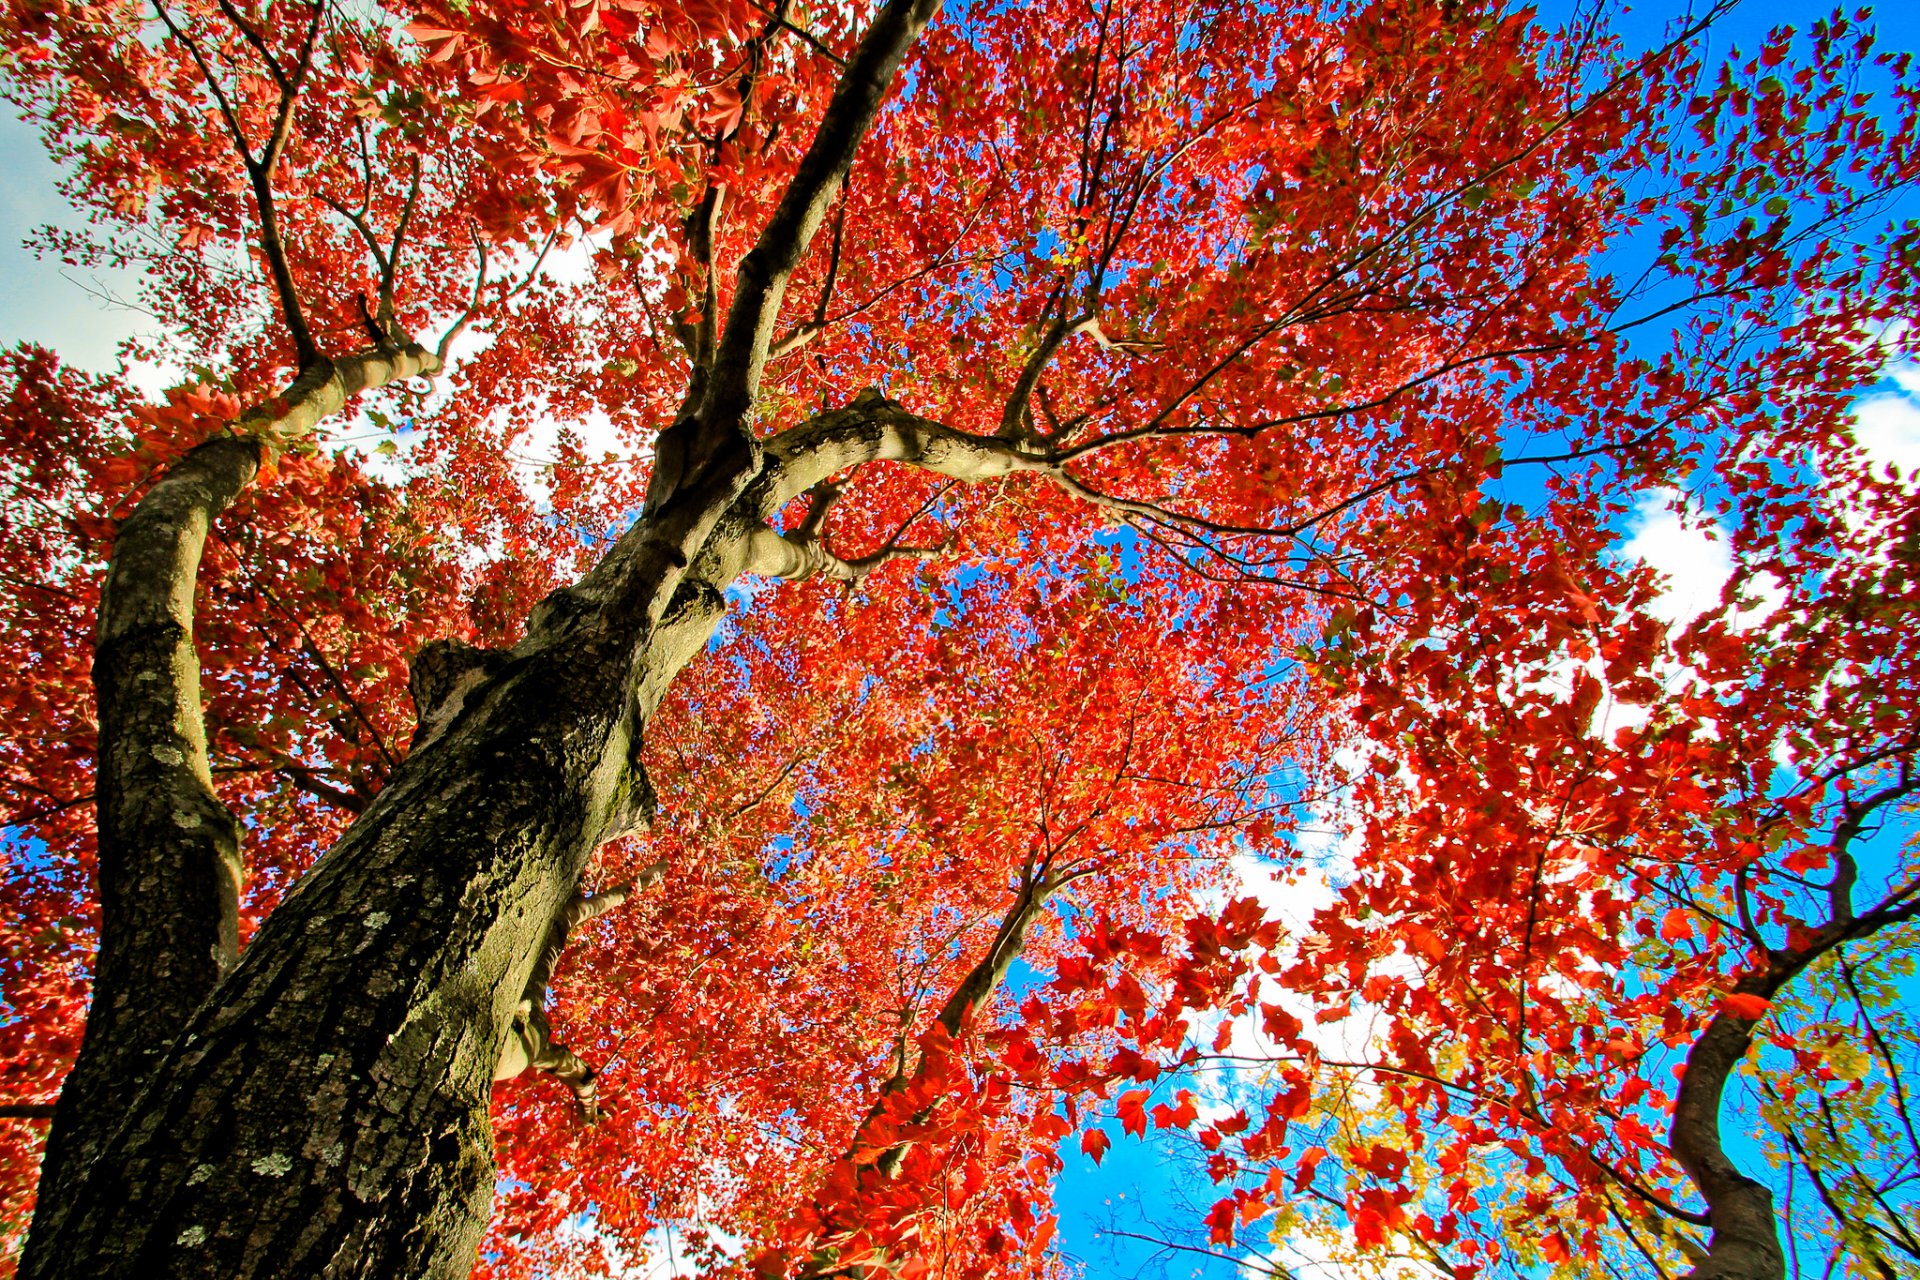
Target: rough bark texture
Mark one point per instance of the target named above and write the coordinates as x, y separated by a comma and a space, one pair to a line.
169, 851
1745, 1244
327, 1114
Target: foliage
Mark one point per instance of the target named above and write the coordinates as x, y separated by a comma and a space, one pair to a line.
1273, 402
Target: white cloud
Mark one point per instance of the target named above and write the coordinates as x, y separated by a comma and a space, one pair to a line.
1887, 427
1886, 422
1291, 890
1694, 558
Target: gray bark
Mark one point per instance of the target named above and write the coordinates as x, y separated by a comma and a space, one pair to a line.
325, 1110
169, 851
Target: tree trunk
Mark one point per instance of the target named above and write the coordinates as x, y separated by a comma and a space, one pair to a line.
1745, 1239
169, 852
328, 1115
325, 1112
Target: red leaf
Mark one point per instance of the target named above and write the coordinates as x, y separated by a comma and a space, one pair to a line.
1677, 925
1220, 1220
1131, 1108
1750, 1007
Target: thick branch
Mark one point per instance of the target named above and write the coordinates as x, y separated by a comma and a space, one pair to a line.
1745, 1244
741, 354
804, 553
169, 860
776, 556
1014, 416
1009, 940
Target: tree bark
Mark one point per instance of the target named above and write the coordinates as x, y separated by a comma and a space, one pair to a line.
1744, 1243
325, 1111
326, 1114
1745, 1240
321, 1107
169, 851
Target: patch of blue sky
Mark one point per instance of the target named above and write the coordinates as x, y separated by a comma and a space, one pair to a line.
22, 857
84, 314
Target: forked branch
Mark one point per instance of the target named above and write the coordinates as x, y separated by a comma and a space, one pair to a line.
741, 353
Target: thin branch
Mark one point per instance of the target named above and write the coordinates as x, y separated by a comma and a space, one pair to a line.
1271, 1268
253, 38
1886, 1053
390, 270
227, 113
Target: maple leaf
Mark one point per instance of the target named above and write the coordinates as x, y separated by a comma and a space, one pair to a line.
1130, 1107
1752, 1008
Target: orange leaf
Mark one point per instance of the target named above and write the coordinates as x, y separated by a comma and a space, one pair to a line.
1677, 926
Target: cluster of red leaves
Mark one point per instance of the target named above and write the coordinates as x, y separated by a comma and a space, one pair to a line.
1314, 283
842, 839
1578, 830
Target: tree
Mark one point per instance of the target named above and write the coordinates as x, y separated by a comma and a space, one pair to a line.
1595, 851
1122, 387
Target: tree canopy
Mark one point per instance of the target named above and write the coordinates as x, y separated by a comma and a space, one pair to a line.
951, 510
